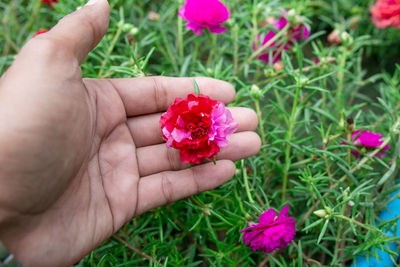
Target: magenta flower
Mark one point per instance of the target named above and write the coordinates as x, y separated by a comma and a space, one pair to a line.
367, 140
295, 33
202, 14
271, 232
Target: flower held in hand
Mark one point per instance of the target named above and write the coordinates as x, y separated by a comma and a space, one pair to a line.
202, 14
197, 126
271, 232
386, 13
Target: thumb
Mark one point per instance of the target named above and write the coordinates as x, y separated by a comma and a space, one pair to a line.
81, 31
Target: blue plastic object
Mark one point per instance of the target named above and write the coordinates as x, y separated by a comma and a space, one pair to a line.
391, 211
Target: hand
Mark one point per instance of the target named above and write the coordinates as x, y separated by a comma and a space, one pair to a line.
81, 157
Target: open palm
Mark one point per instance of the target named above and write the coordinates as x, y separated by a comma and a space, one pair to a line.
81, 157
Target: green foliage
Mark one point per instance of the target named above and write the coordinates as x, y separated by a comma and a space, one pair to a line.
302, 110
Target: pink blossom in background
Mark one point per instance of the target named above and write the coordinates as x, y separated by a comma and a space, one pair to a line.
276, 53
202, 14
271, 232
366, 139
49, 2
295, 33
385, 13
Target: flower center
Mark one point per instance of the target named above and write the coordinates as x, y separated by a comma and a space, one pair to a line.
198, 129
199, 132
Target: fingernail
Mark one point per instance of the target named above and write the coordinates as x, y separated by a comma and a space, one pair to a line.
91, 2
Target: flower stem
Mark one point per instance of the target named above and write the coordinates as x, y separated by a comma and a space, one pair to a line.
288, 139
342, 65
339, 240
180, 39
261, 129
9, 41
235, 33
213, 39
366, 227
196, 49
246, 182
110, 50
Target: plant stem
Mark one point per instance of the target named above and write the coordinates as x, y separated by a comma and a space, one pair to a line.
288, 146
342, 65
235, 33
213, 39
338, 235
136, 250
261, 129
353, 221
180, 39
196, 49
110, 50
9, 41
246, 182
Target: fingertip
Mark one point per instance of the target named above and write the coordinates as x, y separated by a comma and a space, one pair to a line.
230, 167
257, 143
241, 145
218, 173
253, 119
83, 29
223, 89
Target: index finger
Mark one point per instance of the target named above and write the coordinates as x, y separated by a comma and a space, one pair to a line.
154, 94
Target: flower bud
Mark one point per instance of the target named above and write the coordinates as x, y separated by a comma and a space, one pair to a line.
134, 31
238, 172
154, 16
120, 24
291, 15
334, 37
278, 66
346, 38
329, 211
126, 27
341, 124
207, 212
256, 92
302, 80
320, 213
259, 7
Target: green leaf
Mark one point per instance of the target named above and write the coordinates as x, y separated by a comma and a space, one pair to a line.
321, 235
196, 87
388, 174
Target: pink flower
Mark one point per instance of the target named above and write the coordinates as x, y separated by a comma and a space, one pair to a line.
295, 33
202, 14
197, 126
386, 13
271, 232
366, 139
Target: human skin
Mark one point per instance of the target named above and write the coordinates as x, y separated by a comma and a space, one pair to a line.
81, 157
